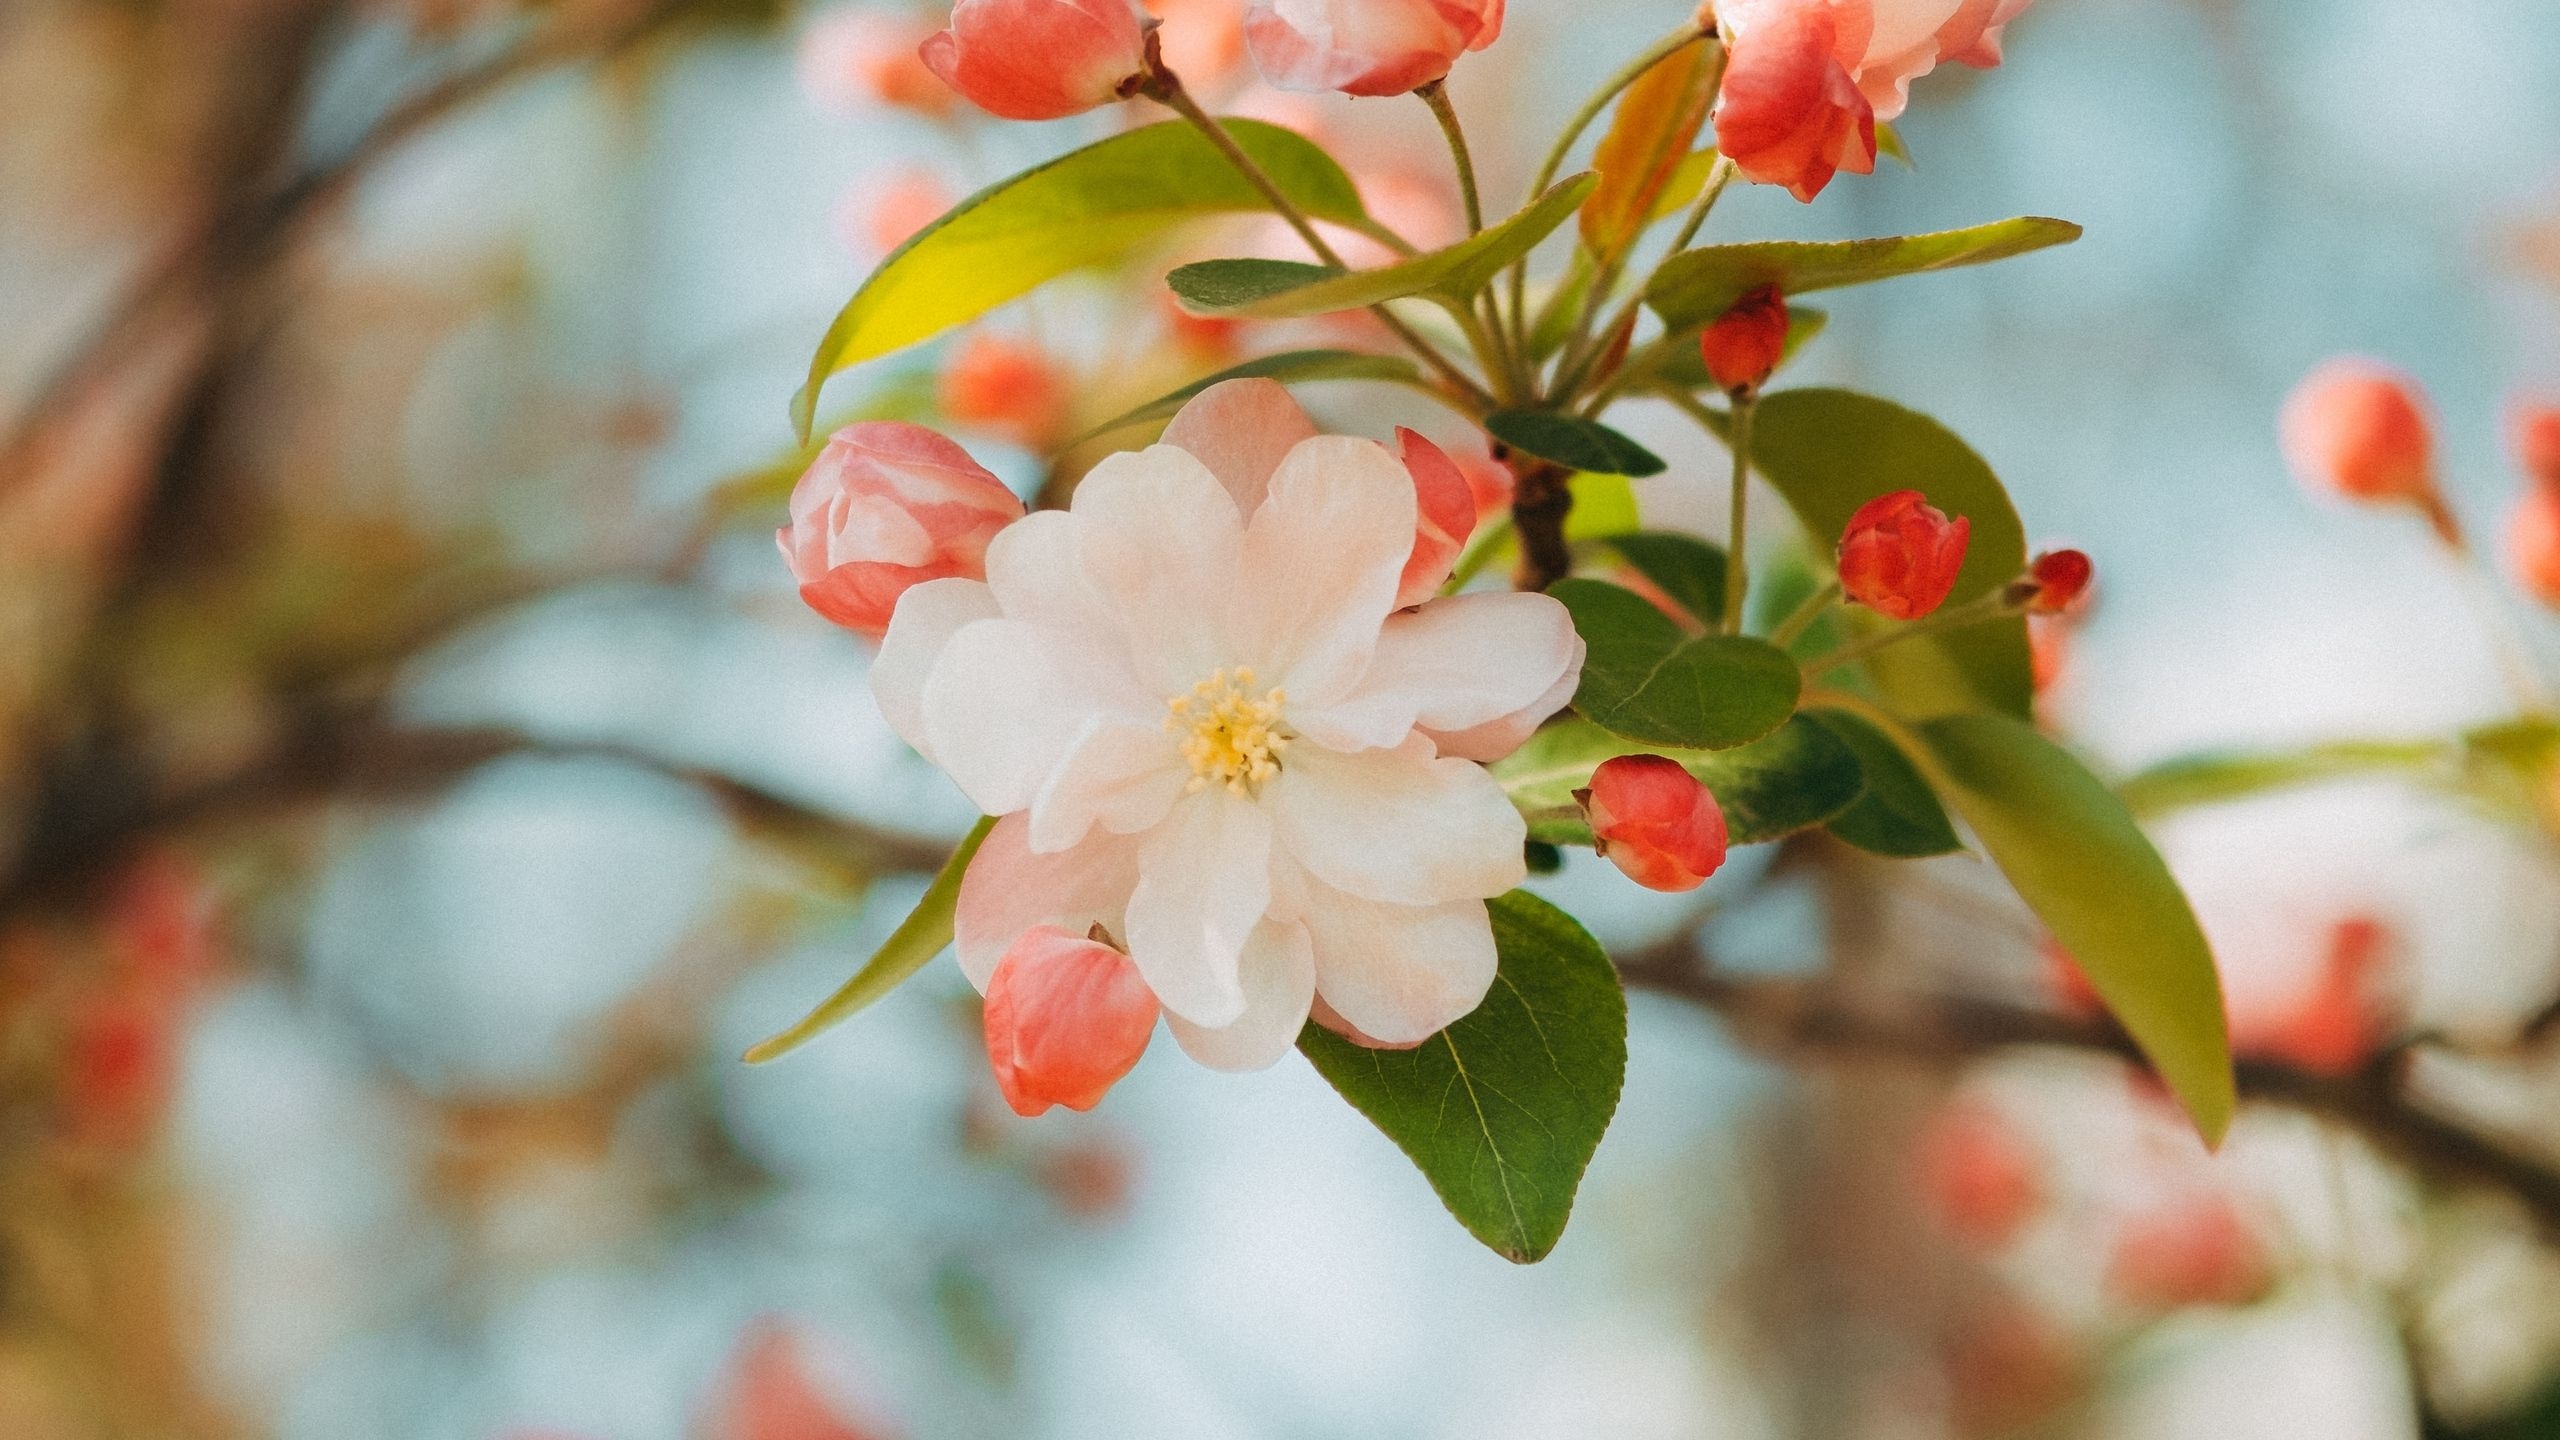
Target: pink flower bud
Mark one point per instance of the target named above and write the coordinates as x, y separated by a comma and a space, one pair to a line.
1742, 348
1366, 47
773, 1391
1040, 59
884, 507
2361, 429
1006, 386
1979, 1174
2192, 1250
1066, 1018
1900, 554
1792, 113
1445, 515
1655, 822
860, 55
2057, 581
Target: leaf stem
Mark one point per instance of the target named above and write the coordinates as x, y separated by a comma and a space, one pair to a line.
1801, 619
1994, 606
1436, 95
1737, 579
1165, 87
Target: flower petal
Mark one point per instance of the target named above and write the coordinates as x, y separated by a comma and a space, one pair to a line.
1278, 969
1122, 774
1398, 825
1204, 882
1160, 542
926, 619
1009, 889
1496, 739
1241, 430
1400, 973
1002, 713
1451, 666
1321, 561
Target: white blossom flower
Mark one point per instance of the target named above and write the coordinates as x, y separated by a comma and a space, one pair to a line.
1207, 728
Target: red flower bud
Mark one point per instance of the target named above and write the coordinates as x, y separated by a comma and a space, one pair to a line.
1040, 59
1066, 1017
1742, 348
2058, 579
1655, 821
2534, 432
2361, 429
1900, 554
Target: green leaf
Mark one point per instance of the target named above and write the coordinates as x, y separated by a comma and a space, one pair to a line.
1889, 144
1899, 815
1648, 679
1827, 452
1573, 442
1685, 367
917, 939
1695, 286
1289, 367
2080, 862
1281, 290
2222, 776
1089, 207
1769, 789
1503, 1110
1684, 567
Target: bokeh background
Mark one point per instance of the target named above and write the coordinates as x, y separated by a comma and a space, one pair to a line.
421, 782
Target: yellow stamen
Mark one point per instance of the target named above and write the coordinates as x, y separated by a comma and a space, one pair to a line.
1232, 737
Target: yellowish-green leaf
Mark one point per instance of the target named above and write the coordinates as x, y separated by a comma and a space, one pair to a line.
1090, 207
1698, 285
917, 939
1290, 367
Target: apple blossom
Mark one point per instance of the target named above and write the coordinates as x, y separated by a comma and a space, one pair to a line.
885, 506
1978, 1173
1207, 726
1744, 344
1008, 386
1366, 47
2361, 429
1655, 821
1040, 59
1066, 1017
1899, 555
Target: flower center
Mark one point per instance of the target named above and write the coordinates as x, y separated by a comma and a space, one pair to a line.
1231, 735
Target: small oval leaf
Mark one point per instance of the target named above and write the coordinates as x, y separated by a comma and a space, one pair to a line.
917, 939
1503, 1110
1898, 815
1684, 568
1573, 442
1649, 680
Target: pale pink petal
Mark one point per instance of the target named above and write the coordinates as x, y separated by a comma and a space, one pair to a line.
1241, 430
1398, 825
1445, 515
1035, 569
1001, 712
1321, 560
1009, 889
1117, 773
1161, 542
926, 619
1400, 973
1453, 665
1495, 739
1204, 882
1279, 974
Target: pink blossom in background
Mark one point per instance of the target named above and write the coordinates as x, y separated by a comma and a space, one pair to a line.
771, 1393
1039, 59
886, 506
2360, 429
1011, 387
1207, 727
1366, 47
1066, 1017
884, 211
857, 56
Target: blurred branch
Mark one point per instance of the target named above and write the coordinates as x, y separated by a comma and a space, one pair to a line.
1795, 1020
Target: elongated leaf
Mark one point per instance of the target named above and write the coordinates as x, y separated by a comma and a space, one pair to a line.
1649, 680
1657, 120
1696, 286
1889, 144
2213, 779
917, 939
1502, 1110
1290, 367
1827, 452
1089, 207
1573, 442
1773, 787
2076, 857
1280, 290
1687, 569
1899, 815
